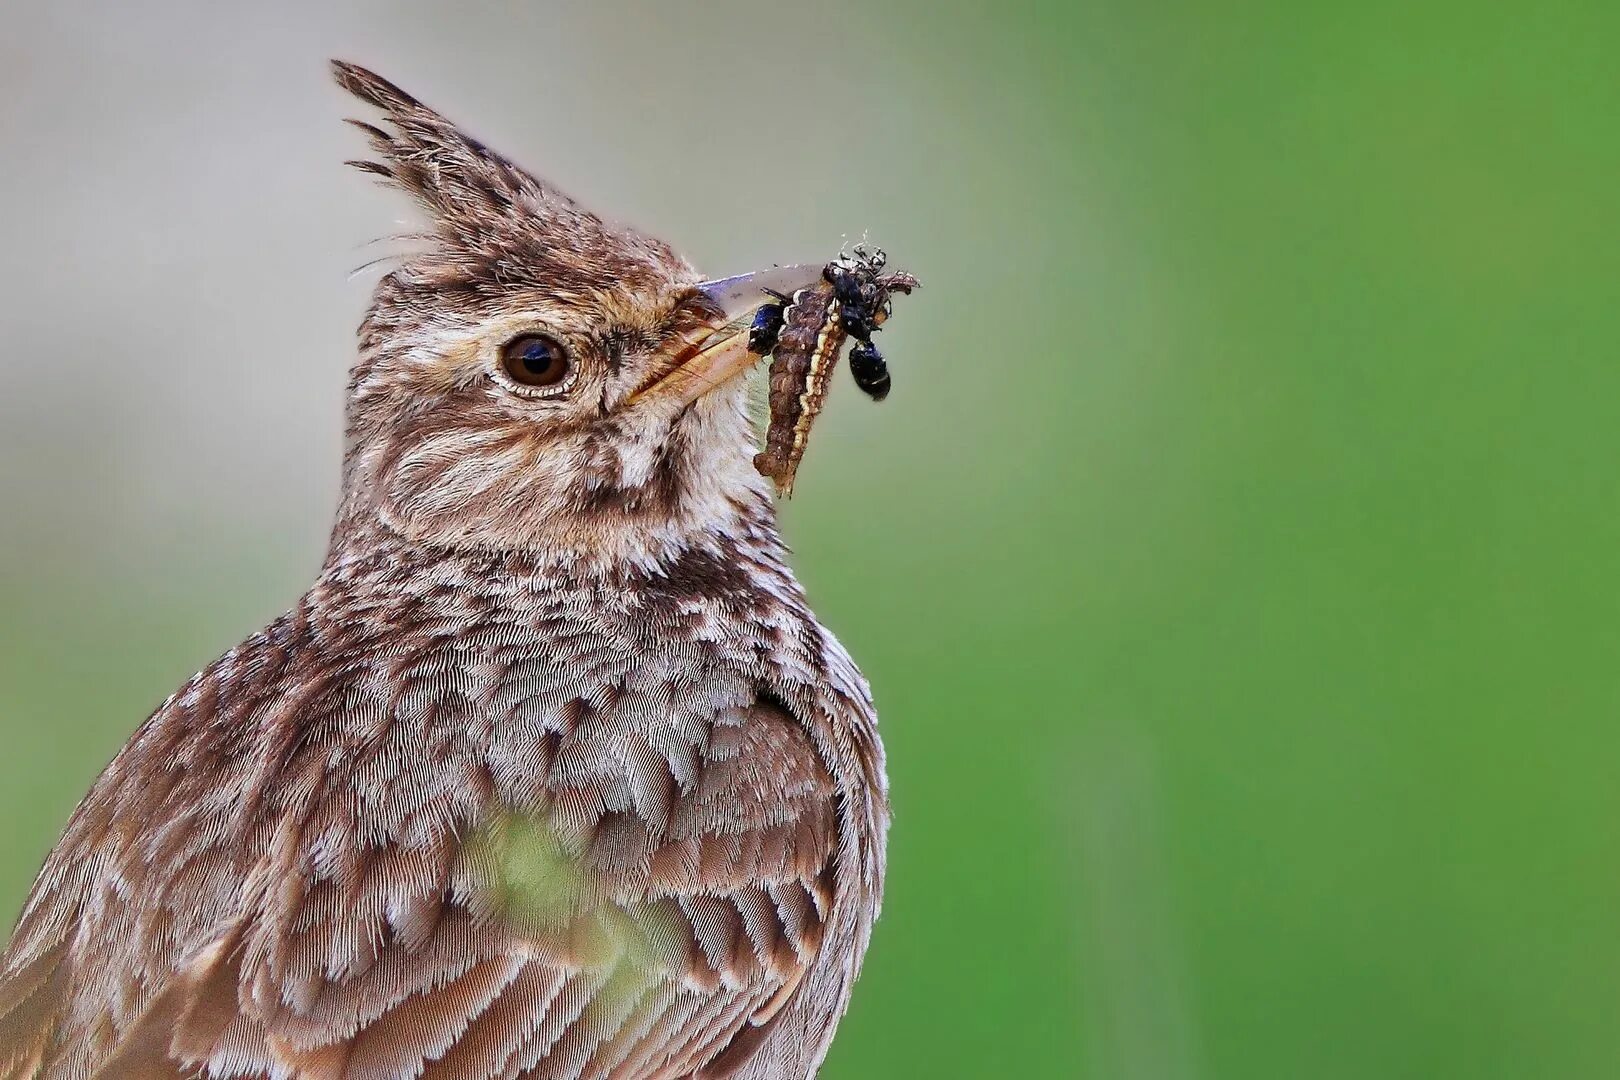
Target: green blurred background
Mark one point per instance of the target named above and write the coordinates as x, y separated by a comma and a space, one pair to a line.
1235, 561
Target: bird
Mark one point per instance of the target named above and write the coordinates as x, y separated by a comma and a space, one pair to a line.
553, 772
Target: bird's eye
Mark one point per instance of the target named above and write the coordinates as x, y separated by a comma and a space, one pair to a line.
535, 360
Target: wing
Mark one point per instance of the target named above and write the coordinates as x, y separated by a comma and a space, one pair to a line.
648, 914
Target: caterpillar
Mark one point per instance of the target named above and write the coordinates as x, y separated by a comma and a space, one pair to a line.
803, 335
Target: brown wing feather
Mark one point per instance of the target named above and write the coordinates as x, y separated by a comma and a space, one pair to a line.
30, 998
686, 905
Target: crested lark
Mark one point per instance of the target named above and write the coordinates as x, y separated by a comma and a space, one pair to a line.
552, 773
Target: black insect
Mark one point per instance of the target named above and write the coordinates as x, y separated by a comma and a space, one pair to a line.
870, 372
767, 326
862, 290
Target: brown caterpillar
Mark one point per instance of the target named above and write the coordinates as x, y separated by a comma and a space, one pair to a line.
804, 334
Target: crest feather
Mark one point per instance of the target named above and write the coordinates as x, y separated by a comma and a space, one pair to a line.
456, 178
496, 222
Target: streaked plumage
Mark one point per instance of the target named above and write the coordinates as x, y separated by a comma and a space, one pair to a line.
552, 773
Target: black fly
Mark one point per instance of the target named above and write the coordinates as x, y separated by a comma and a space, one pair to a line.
767, 325
863, 292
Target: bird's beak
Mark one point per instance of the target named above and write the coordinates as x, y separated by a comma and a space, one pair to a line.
717, 351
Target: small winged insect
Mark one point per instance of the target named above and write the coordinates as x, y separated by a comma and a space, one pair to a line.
803, 334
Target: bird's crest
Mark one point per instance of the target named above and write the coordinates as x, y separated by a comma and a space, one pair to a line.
494, 222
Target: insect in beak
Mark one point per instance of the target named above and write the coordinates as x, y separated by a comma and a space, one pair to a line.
717, 352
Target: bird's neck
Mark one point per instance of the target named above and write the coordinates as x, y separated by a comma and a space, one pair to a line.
365, 542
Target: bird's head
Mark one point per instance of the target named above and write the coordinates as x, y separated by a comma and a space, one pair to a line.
536, 378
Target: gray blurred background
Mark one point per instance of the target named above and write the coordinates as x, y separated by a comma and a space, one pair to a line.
1234, 561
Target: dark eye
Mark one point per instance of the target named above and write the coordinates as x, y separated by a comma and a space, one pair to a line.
535, 360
